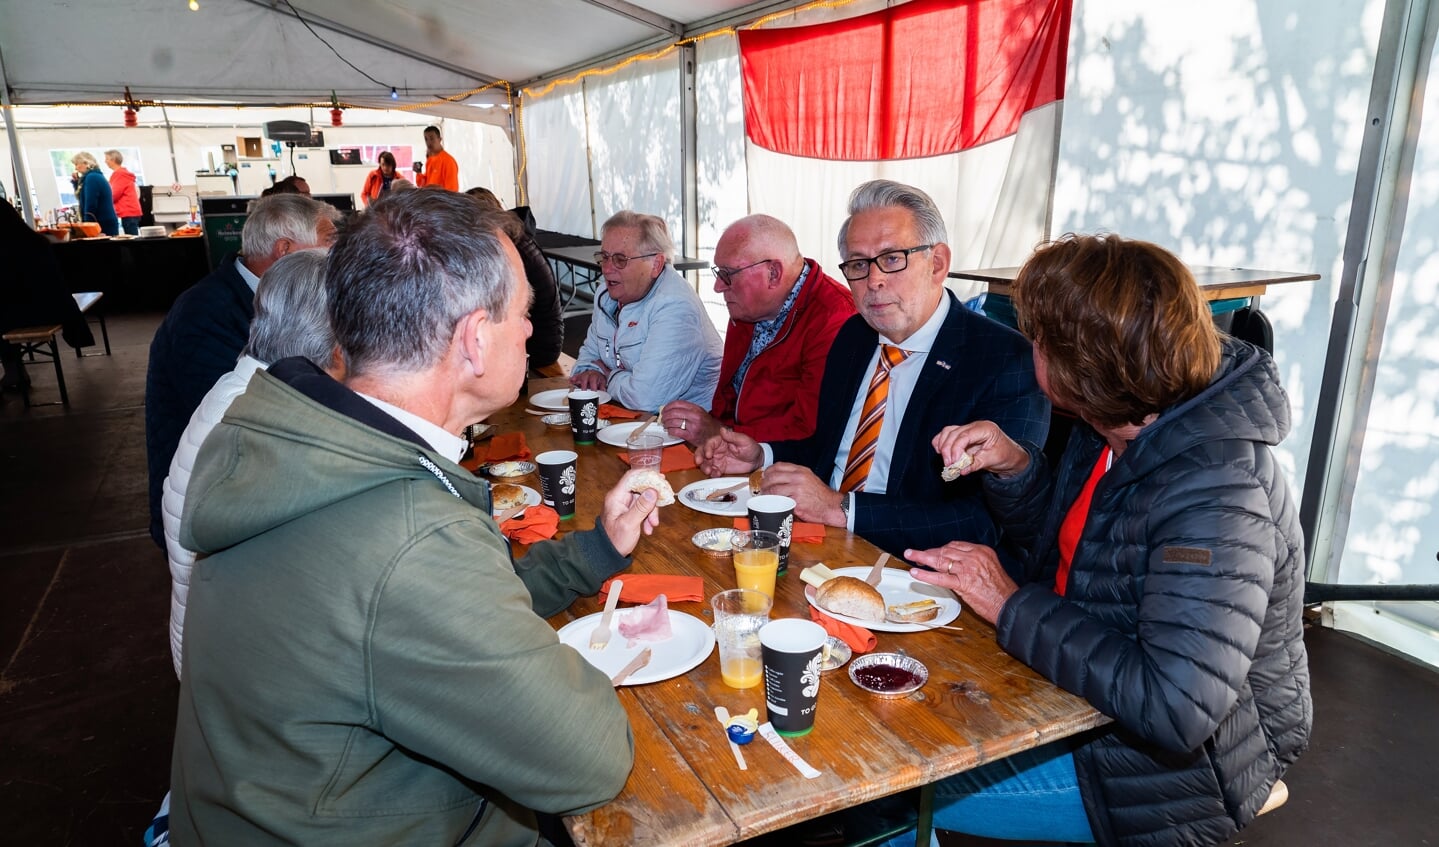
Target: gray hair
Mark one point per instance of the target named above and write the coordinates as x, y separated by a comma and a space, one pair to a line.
654, 235
116, 155
883, 194
405, 272
292, 311
292, 216
84, 161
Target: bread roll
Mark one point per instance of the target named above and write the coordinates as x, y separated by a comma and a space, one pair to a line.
506, 496
917, 612
951, 472
854, 598
656, 480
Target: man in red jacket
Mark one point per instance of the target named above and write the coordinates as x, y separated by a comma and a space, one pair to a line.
124, 194
784, 314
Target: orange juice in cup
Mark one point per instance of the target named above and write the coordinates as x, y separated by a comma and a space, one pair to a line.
741, 671
756, 560
739, 614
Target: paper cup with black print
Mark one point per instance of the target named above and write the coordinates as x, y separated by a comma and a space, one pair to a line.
774, 513
584, 415
557, 480
793, 651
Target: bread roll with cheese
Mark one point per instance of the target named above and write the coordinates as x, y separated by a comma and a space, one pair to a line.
919, 611
854, 598
656, 480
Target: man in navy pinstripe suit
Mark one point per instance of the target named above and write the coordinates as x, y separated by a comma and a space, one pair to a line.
942, 365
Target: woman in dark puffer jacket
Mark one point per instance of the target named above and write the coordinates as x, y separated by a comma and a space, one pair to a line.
1165, 569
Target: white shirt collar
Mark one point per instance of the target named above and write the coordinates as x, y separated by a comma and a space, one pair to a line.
245, 274
447, 444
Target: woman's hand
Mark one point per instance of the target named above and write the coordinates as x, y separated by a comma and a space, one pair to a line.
988, 447
972, 571
591, 380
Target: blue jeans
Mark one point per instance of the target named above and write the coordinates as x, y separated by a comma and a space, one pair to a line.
1030, 796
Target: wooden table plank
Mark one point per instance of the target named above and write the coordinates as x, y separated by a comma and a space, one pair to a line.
979, 705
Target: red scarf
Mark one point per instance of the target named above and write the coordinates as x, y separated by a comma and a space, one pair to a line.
1073, 525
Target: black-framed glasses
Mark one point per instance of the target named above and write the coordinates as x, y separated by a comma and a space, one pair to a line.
619, 260
727, 275
890, 261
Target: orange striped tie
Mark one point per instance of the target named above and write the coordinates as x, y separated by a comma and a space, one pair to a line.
871, 418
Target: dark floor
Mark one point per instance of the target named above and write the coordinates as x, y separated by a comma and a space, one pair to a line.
87, 693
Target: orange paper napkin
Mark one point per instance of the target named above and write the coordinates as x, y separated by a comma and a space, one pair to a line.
859, 639
503, 447
801, 533
617, 413
642, 588
536, 524
676, 457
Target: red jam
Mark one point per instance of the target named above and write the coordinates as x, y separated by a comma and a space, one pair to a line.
886, 678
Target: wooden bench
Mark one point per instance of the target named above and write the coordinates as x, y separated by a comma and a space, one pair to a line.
87, 300
32, 341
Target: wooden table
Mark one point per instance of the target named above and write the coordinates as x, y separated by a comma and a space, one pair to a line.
979, 704
1216, 283
575, 269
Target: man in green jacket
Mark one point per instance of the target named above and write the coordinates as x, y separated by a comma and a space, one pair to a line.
364, 663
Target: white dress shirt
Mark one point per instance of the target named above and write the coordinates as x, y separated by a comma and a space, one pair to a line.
247, 275
447, 444
902, 379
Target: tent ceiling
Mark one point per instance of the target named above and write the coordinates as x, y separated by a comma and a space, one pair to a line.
257, 51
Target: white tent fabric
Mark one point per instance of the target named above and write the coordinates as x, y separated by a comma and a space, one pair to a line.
557, 166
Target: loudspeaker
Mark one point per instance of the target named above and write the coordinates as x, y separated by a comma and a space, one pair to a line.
295, 131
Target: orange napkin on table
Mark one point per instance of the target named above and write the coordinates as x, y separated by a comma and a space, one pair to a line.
612, 413
503, 447
800, 533
642, 588
859, 639
676, 457
536, 524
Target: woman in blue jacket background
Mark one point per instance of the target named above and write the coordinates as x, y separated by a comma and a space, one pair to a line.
97, 205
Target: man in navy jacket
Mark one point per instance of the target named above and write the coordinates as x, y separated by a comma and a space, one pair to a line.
950, 366
206, 329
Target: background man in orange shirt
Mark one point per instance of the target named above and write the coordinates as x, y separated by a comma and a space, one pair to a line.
440, 169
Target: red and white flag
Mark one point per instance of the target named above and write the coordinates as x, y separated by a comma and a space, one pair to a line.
960, 99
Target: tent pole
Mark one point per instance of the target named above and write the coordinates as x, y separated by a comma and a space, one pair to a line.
170, 138
1376, 222
17, 163
689, 142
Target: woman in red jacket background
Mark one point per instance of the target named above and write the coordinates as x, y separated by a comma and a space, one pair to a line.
378, 182
125, 195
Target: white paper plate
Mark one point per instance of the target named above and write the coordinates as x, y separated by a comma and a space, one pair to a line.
532, 498
692, 495
896, 586
692, 642
616, 434
558, 399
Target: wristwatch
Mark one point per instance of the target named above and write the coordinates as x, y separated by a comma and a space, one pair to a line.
846, 501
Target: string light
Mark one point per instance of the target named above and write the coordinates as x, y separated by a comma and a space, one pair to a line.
194, 5
394, 94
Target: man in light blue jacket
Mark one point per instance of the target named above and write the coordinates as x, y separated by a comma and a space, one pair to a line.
650, 340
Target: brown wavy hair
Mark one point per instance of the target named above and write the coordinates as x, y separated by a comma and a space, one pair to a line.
1122, 325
